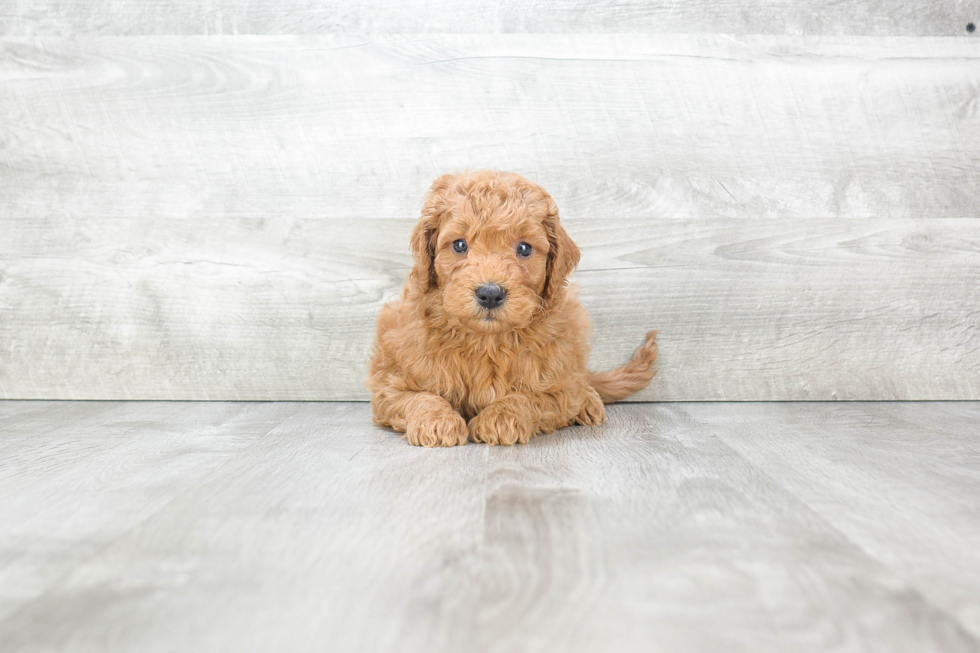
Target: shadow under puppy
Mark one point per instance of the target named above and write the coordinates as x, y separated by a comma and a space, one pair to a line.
486, 342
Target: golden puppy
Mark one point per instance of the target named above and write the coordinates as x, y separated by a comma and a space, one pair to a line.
486, 342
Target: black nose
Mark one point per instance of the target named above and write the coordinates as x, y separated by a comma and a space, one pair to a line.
490, 295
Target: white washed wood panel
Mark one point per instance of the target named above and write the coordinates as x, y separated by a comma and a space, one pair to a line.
222, 218
374, 552
285, 308
147, 455
306, 528
665, 126
861, 468
908, 17
647, 489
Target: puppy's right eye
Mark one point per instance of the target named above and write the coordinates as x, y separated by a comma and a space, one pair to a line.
459, 246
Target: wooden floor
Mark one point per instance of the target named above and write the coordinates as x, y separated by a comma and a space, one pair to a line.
675, 527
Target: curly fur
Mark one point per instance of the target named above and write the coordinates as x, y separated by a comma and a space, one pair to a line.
446, 370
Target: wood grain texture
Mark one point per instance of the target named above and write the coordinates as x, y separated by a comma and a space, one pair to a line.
908, 17
606, 540
822, 309
327, 127
901, 490
337, 524
222, 217
958, 418
316, 527
99, 472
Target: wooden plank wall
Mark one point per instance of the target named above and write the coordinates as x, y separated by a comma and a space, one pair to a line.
212, 200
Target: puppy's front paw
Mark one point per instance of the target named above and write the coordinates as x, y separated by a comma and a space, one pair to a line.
503, 422
439, 428
592, 412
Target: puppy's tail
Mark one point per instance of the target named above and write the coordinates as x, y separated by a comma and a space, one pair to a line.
634, 376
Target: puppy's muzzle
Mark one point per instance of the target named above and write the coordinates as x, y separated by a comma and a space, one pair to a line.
490, 295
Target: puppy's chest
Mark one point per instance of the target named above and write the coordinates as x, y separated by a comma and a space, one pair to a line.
480, 379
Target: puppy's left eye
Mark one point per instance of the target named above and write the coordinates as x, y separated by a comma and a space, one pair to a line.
524, 250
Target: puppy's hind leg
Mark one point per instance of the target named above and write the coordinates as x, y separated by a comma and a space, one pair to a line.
593, 412
426, 419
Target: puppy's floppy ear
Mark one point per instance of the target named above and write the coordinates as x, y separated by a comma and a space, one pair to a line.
563, 255
423, 275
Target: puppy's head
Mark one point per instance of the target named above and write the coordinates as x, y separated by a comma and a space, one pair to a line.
492, 245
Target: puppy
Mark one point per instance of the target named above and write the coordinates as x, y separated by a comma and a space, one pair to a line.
486, 342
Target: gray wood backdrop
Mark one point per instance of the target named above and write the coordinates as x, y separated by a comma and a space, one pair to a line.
212, 200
